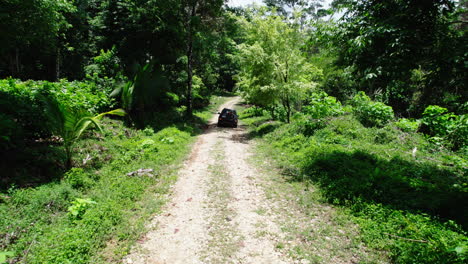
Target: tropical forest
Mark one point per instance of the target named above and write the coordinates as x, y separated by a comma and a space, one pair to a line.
234, 131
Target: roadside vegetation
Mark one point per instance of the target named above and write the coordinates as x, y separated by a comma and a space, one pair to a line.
119, 178
99, 101
99, 104
405, 190
361, 117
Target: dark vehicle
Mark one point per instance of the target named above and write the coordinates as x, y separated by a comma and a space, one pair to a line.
228, 117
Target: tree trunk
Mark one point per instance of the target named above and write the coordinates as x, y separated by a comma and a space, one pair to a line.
57, 65
190, 15
68, 154
12, 64
287, 102
287, 106
288, 110
17, 62
189, 75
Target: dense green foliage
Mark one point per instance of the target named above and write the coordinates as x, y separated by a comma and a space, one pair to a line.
273, 70
371, 113
71, 219
110, 41
407, 194
23, 106
410, 53
342, 83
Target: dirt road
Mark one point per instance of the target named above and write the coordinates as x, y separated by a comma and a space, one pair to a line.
218, 212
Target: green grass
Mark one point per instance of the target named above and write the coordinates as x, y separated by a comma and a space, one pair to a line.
37, 219
37, 225
410, 203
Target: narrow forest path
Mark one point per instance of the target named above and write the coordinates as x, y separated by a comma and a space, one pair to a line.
213, 216
219, 211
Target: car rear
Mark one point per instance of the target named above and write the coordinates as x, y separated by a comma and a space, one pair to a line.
228, 117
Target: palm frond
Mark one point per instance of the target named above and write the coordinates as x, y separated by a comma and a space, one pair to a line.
118, 90
83, 124
117, 112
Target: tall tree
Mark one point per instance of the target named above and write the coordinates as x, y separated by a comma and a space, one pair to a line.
199, 19
307, 8
272, 67
408, 51
27, 25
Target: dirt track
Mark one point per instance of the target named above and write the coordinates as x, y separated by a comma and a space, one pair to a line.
218, 212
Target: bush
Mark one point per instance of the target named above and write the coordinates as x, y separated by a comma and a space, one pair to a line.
266, 128
409, 204
437, 121
407, 125
320, 105
339, 83
458, 135
306, 125
54, 223
444, 127
371, 113
22, 113
22, 106
79, 207
78, 178
253, 111
106, 64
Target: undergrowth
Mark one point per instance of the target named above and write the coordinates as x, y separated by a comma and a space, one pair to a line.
95, 211
407, 194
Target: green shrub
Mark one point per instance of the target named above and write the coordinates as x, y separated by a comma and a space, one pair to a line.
106, 64
339, 83
409, 202
78, 178
347, 126
458, 135
10, 131
306, 125
371, 113
79, 207
407, 125
22, 106
22, 112
437, 120
316, 113
320, 105
253, 111
444, 127
80, 95
267, 128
